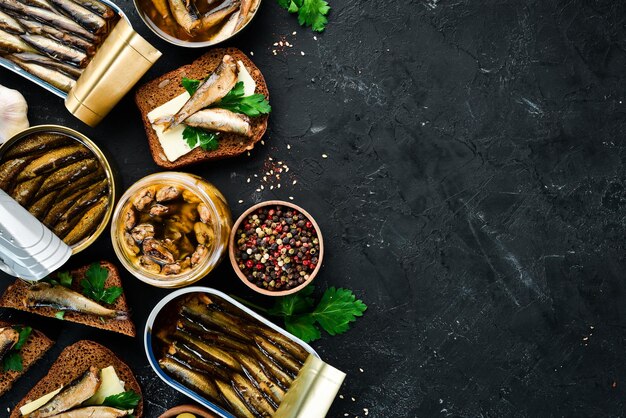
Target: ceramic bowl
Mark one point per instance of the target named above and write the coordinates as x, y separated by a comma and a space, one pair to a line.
234, 263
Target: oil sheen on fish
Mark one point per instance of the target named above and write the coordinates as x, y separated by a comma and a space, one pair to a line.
44, 60
41, 205
219, 13
98, 7
194, 360
195, 380
9, 171
88, 223
256, 373
87, 19
244, 11
213, 337
233, 400
91, 195
9, 24
93, 412
73, 395
56, 49
53, 77
220, 120
67, 174
8, 338
26, 190
50, 161
186, 18
53, 18
281, 357
252, 397
13, 43
214, 353
37, 142
213, 89
38, 28
44, 294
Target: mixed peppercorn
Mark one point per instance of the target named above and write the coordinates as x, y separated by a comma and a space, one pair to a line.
277, 248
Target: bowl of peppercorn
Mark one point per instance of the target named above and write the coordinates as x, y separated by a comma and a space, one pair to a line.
276, 248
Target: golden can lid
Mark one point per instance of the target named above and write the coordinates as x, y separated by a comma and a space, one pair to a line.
121, 61
312, 392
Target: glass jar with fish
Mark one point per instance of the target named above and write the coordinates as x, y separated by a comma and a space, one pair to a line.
63, 179
171, 229
196, 23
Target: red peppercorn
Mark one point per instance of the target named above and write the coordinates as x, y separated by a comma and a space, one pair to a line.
305, 262
249, 264
271, 212
309, 224
259, 266
312, 266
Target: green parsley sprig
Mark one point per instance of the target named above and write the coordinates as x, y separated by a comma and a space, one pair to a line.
200, 137
310, 12
126, 400
93, 285
335, 311
13, 359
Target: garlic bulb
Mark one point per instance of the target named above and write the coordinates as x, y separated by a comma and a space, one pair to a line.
13, 110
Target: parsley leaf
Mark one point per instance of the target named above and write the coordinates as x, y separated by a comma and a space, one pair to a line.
199, 137
310, 12
65, 278
334, 312
12, 362
93, 285
13, 359
24, 334
235, 101
190, 84
125, 400
60, 315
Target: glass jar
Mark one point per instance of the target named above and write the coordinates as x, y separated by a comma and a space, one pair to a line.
170, 233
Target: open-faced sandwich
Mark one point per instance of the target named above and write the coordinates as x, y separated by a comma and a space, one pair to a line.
216, 107
20, 347
91, 295
87, 380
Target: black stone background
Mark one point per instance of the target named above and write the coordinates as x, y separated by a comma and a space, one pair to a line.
473, 196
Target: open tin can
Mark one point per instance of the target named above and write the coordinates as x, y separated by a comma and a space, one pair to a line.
309, 395
120, 61
98, 154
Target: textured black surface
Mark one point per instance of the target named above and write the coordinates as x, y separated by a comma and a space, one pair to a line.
473, 196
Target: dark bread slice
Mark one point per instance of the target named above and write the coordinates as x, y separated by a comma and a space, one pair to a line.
72, 363
34, 349
163, 89
14, 295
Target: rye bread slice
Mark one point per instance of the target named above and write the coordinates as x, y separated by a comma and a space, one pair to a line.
163, 89
72, 363
14, 295
34, 349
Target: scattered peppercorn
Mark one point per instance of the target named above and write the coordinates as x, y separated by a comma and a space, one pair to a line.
277, 248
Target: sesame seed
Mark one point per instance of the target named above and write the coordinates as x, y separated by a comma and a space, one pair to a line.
248, 181
315, 38
290, 197
294, 32
275, 43
278, 186
280, 43
286, 169
288, 146
271, 159
353, 400
295, 181
366, 411
271, 187
248, 153
302, 52
324, 156
271, 171
346, 414
256, 175
262, 187
258, 190
274, 52
361, 370
252, 53
241, 201
264, 178
340, 396
262, 142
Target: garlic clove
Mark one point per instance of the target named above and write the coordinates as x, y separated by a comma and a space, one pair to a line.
13, 113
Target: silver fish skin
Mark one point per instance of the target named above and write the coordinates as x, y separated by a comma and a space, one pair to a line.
213, 89
219, 13
220, 120
8, 23
186, 18
98, 7
73, 395
52, 77
13, 43
53, 18
56, 49
8, 338
44, 4
93, 412
48, 295
67, 38
244, 11
49, 62
86, 18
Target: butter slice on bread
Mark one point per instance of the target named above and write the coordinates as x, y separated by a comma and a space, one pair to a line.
14, 295
34, 349
72, 363
168, 86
